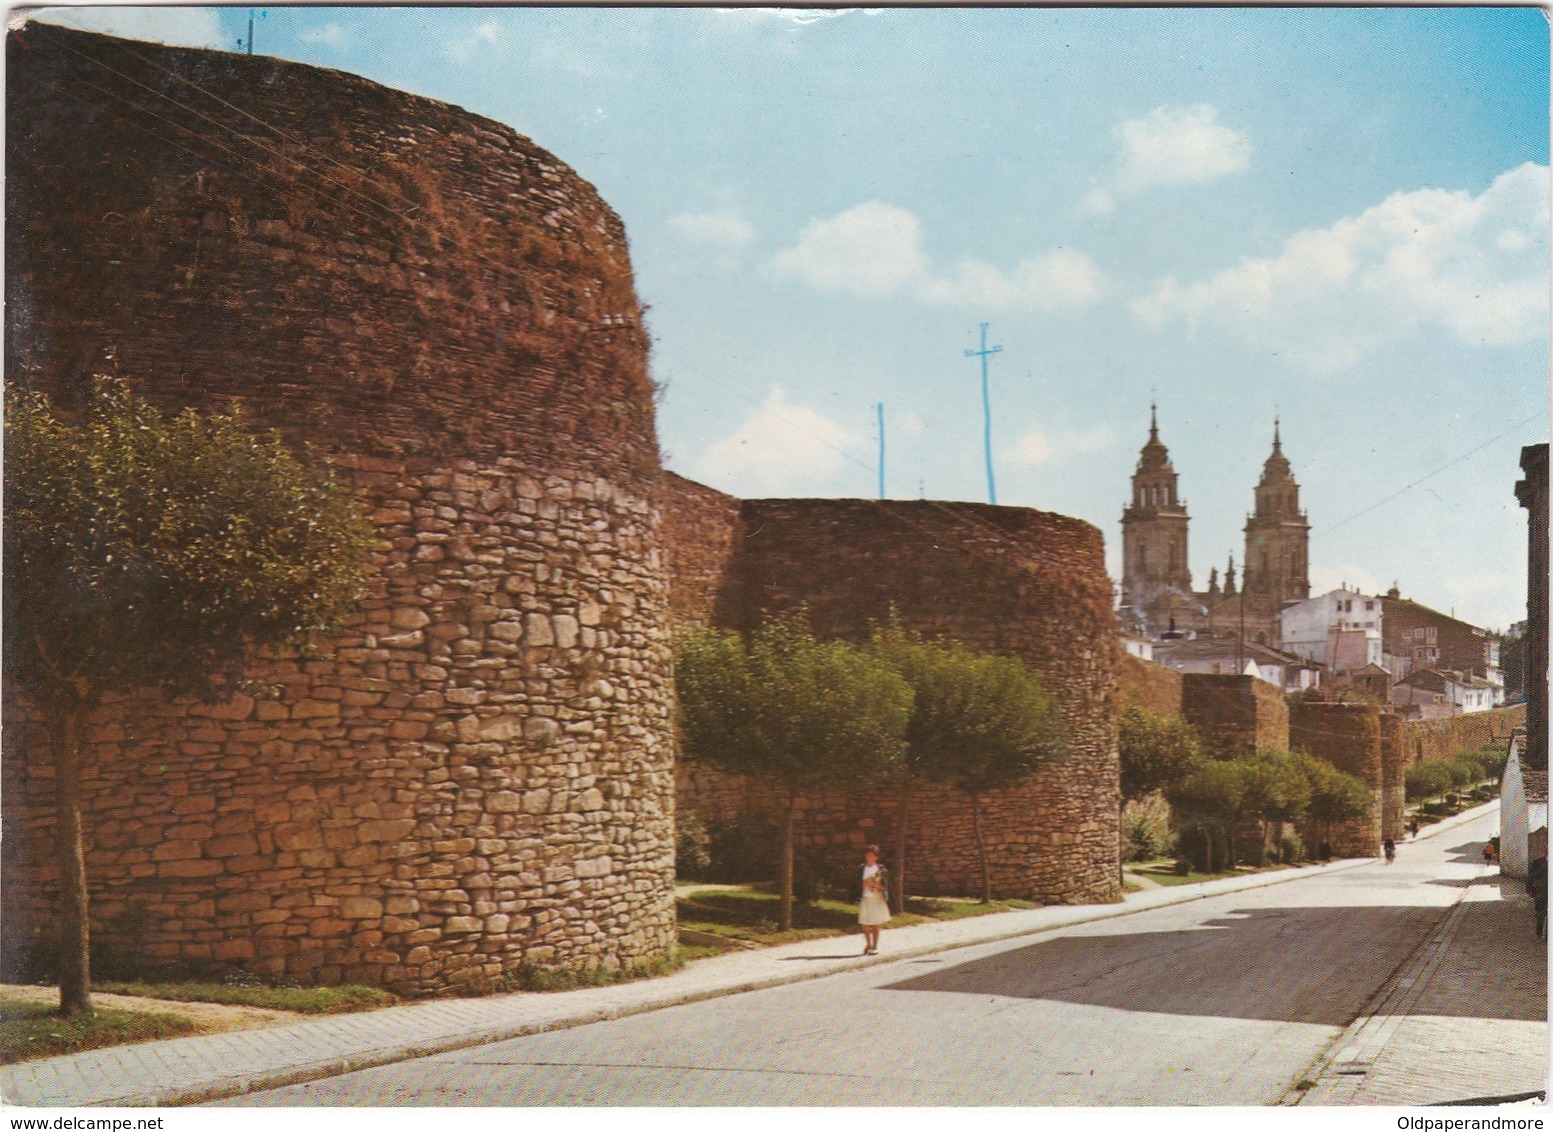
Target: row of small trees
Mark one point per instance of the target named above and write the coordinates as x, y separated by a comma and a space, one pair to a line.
1217, 796
801, 715
1430, 780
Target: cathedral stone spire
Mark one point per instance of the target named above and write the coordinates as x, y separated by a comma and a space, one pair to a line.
1277, 533
1154, 527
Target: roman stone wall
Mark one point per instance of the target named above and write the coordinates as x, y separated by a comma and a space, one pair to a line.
1393, 764
701, 536
477, 773
1349, 737
1153, 687
1008, 580
1439, 740
1235, 715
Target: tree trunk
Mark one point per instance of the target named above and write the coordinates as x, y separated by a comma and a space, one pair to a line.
1207, 840
898, 881
1261, 852
64, 722
981, 848
785, 914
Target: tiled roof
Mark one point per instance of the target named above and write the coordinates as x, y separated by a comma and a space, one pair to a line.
1535, 783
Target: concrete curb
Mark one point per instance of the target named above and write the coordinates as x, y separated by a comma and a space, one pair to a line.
118, 1076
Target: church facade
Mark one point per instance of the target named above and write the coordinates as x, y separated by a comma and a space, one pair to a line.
1157, 598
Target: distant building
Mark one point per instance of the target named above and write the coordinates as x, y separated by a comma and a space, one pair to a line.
1157, 596
1431, 693
1532, 493
1223, 656
1340, 630
1414, 637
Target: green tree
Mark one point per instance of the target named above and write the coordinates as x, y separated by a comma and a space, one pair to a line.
987, 725
1155, 750
142, 551
1212, 797
976, 719
1335, 795
1276, 791
791, 712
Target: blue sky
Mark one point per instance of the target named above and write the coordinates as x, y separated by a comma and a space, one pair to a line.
1335, 216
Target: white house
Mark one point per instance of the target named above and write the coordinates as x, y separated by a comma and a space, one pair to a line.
1340, 630
1435, 693
1221, 656
1523, 809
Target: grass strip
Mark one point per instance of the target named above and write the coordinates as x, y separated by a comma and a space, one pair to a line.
31, 1030
300, 1000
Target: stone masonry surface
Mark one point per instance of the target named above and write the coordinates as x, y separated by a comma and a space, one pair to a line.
478, 773
1003, 579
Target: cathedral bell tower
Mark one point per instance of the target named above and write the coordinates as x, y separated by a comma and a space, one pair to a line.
1277, 564
1154, 528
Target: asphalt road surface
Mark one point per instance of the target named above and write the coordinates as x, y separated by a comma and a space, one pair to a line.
1229, 1000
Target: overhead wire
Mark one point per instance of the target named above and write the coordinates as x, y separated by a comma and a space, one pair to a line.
229, 129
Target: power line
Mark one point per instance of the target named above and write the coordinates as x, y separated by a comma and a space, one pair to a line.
1431, 475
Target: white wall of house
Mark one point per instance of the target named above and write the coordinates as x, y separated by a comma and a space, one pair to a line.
1513, 816
1307, 626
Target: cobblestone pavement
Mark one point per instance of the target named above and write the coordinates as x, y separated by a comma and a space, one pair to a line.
1225, 992
1466, 1018
1228, 1000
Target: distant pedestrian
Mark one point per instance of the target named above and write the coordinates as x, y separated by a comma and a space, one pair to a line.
1389, 847
1537, 885
1488, 853
1412, 828
873, 911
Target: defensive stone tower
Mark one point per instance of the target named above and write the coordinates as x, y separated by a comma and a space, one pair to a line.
479, 773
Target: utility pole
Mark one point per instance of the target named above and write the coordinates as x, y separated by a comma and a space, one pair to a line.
248, 43
880, 408
986, 405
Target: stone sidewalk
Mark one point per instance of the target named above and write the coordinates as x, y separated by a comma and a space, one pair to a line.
1465, 1021
211, 1067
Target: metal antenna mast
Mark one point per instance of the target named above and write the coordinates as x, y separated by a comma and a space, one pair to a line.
880, 408
986, 404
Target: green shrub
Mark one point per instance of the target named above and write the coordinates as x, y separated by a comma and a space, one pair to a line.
1146, 833
1291, 848
692, 848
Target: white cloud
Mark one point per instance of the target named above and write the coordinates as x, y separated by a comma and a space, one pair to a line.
875, 250
725, 230
1173, 145
1475, 266
486, 34
180, 27
1170, 145
780, 449
1037, 447
871, 249
329, 35
1059, 279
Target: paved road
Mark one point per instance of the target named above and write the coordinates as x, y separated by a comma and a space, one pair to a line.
1229, 1001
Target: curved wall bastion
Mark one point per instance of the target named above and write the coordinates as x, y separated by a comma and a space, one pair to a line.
478, 773
1011, 580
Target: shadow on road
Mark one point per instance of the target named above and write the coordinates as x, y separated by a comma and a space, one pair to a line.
1308, 965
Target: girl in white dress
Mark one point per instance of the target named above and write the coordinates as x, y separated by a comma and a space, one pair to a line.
873, 911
